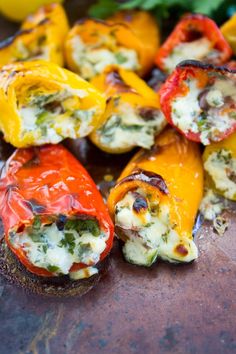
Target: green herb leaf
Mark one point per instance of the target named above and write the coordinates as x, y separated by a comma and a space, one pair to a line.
52, 268
120, 58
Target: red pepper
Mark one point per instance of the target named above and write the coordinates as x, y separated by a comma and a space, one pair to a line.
48, 182
199, 100
190, 29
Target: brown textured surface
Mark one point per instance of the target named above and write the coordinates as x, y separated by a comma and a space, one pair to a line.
166, 309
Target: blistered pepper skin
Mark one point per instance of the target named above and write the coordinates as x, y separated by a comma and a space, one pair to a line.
200, 24
48, 182
228, 30
117, 83
227, 144
41, 36
178, 162
146, 29
14, 80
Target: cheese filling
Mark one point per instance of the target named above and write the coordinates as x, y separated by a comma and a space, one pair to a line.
131, 126
144, 226
52, 117
209, 112
36, 49
221, 166
57, 246
199, 49
92, 59
211, 205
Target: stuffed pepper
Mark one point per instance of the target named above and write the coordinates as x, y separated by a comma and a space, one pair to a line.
200, 101
220, 167
229, 32
54, 218
155, 202
43, 103
132, 116
92, 44
145, 28
195, 37
41, 36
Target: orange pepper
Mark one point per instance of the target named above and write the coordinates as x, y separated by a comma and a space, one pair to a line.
170, 174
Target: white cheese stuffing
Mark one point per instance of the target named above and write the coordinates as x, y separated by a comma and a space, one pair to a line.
148, 235
211, 205
92, 60
220, 165
49, 249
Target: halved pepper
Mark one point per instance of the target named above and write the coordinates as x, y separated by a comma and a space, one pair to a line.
54, 218
41, 36
229, 32
200, 101
195, 37
156, 199
220, 167
44, 103
145, 27
92, 45
132, 116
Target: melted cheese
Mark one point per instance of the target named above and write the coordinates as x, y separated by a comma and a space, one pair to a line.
211, 206
49, 250
92, 60
219, 166
150, 236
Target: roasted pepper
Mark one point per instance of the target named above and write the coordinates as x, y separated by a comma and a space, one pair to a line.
132, 116
155, 202
229, 32
54, 218
145, 28
41, 36
220, 166
200, 101
92, 45
195, 37
43, 103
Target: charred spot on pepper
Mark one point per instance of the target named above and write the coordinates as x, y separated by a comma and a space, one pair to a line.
35, 206
181, 250
7, 42
205, 66
114, 79
147, 113
61, 221
140, 204
34, 161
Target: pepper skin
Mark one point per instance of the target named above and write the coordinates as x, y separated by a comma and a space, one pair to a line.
46, 104
170, 177
199, 100
41, 36
229, 32
146, 29
92, 45
48, 184
220, 167
195, 37
132, 116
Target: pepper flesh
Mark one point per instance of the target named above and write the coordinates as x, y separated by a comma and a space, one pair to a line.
200, 101
173, 162
228, 30
47, 182
92, 44
143, 24
200, 32
225, 172
136, 104
41, 36
25, 87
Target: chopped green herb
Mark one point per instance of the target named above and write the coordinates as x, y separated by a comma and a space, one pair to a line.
120, 58
68, 241
83, 225
52, 268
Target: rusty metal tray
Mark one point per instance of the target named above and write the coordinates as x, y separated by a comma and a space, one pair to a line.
165, 309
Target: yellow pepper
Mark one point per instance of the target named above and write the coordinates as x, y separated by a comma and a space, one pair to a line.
41, 36
144, 25
220, 167
132, 116
17, 10
229, 32
43, 103
156, 199
92, 45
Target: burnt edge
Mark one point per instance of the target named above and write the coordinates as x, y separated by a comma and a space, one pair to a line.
103, 22
205, 66
149, 177
16, 274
